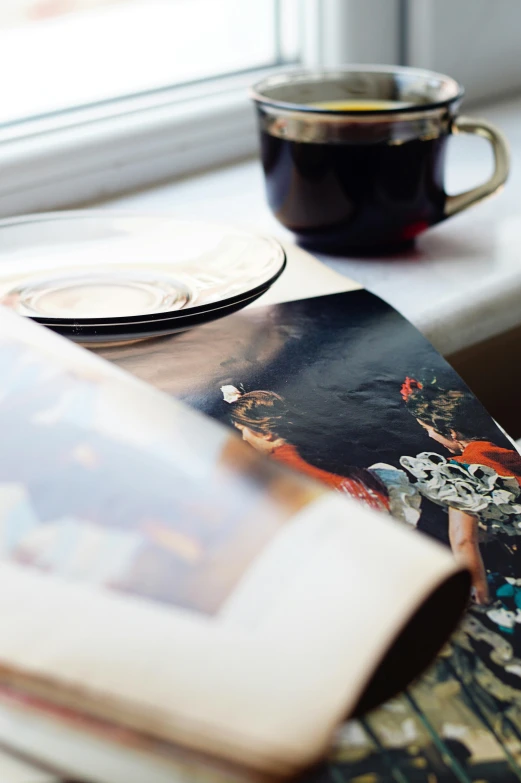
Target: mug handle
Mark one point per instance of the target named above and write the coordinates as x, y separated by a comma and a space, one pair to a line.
486, 130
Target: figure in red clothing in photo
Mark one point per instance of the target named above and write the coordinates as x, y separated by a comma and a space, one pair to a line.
265, 421
480, 483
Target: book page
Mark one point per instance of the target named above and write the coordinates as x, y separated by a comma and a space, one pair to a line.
159, 573
304, 277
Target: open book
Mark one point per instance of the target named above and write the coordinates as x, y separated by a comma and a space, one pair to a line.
330, 380
173, 601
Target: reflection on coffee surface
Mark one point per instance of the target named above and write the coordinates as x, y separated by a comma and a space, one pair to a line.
338, 194
360, 104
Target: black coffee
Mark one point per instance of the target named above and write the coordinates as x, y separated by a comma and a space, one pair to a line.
337, 195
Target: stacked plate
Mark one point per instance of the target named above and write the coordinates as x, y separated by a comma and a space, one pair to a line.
106, 278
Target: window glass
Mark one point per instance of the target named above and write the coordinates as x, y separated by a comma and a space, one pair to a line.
60, 54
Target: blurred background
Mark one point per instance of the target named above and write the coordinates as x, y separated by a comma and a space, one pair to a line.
103, 96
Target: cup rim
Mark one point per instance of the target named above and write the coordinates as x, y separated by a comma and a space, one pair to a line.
316, 74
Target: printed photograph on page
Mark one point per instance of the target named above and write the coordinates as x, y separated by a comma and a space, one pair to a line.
343, 389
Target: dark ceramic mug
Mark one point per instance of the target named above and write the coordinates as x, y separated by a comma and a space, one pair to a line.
354, 157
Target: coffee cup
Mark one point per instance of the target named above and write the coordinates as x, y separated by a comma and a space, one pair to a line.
354, 157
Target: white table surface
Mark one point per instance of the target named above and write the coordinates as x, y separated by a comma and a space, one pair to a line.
460, 285
462, 282
13, 770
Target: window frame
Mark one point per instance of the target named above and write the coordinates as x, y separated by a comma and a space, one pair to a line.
92, 153
444, 36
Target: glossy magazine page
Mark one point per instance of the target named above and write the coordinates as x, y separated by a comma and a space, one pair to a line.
162, 575
346, 391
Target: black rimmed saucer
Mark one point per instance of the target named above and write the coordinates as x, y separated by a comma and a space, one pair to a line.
102, 277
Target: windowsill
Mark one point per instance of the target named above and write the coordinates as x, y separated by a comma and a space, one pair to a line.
462, 283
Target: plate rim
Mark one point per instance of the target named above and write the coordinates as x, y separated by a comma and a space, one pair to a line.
92, 335
41, 217
69, 325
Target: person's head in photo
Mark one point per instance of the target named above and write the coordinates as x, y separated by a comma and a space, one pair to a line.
270, 425
260, 416
451, 417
